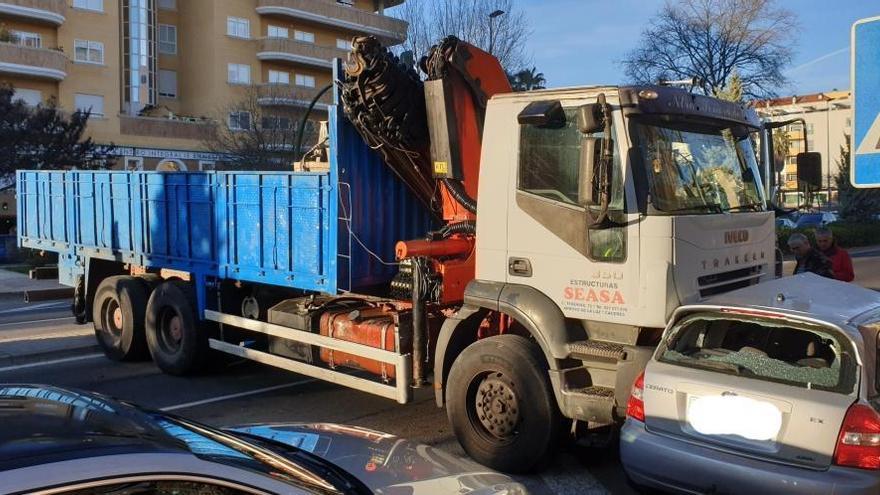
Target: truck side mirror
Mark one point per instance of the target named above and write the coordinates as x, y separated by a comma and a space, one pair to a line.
590, 118
548, 113
590, 172
809, 168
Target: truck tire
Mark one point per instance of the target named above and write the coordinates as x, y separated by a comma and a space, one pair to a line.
177, 343
118, 314
501, 405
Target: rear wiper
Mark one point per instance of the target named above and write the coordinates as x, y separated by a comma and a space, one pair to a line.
721, 366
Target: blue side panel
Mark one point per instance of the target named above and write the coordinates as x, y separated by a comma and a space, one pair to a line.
376, 209
319, 231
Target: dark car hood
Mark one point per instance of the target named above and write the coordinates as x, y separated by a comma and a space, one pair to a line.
386, 463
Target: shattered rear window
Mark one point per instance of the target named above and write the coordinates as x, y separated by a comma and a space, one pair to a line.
777, 350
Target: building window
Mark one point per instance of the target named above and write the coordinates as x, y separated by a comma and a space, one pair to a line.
305, 81
133, 163
96, 5
239, 121
343, 44
207, 165
24, 38
278, 32
89, 103
239, 74
279, 77
238, 27
790, 177
168, 39
168, 4
304, 36
272, 122
88, 51
167, 83
30, 97
809, 129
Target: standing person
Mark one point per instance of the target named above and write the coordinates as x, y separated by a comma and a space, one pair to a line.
841, 263
808, 259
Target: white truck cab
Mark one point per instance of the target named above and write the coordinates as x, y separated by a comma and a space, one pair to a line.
602, 210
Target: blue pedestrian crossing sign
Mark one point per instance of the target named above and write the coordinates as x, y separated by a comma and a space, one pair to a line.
865, 145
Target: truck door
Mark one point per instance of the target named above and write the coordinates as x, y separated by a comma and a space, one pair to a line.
591, 272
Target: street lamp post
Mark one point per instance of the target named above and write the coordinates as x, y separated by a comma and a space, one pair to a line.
492, 17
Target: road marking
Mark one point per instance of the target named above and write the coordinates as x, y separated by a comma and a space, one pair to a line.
52, 362
76, 332
235, 396
24, 309
28, 322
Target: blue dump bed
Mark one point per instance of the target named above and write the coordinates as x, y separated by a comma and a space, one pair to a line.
305, 230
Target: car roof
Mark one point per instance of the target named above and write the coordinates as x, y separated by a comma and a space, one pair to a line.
806, 295
43, 424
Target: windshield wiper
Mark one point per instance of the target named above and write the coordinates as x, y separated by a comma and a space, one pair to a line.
711, 207
748, 206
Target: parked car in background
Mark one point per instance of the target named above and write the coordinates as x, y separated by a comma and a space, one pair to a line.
58, 441
785, 223
775, 397
814, 220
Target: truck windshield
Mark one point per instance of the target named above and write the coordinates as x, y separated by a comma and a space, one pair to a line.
699, 169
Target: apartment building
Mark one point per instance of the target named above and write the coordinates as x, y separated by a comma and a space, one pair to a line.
828, 123
155, 72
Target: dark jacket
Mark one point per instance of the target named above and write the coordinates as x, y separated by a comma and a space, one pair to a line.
814, 262
841, 263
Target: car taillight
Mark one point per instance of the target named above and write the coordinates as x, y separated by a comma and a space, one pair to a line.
635, 407
858, 444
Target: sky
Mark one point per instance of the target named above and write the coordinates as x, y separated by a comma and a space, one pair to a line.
577, 42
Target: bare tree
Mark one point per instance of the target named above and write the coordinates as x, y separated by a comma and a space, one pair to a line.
258, 132
713, 39
432, 20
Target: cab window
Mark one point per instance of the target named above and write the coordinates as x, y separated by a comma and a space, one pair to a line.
549, 161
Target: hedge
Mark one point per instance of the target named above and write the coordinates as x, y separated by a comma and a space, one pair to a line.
847, 234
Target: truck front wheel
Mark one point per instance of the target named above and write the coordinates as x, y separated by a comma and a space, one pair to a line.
176, 342
118, 314
501, 405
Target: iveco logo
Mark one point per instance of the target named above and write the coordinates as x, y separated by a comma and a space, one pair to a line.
736, 236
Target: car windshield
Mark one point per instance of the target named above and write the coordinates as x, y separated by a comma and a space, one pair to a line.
699, 169
776, 350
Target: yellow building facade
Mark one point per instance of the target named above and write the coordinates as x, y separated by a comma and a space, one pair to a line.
155, 73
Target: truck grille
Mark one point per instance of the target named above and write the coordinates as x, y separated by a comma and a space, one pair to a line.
719, 283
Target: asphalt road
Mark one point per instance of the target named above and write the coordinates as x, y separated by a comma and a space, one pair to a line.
245, 392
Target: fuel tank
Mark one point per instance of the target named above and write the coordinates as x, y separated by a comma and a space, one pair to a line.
382, 326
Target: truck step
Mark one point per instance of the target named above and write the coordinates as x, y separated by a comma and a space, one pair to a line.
596, 348
594, 404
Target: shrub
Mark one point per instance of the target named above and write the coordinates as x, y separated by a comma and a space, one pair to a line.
847, 234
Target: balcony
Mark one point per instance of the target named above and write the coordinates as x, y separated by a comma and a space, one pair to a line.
388, 29
279, 95
41, 63
163, 128
288, 50
43, 11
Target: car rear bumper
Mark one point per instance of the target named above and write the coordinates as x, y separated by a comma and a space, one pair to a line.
661, 462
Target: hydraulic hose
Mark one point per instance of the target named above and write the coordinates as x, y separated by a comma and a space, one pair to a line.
456, 189
467, 227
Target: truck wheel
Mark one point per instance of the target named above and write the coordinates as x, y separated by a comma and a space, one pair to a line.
118, 314
176, 341
501, 405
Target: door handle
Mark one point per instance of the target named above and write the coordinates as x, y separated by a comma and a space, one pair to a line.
520, 267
